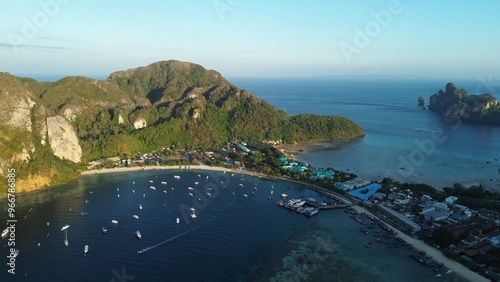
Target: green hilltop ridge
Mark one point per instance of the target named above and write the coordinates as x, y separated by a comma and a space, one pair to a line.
456, 103
49, 131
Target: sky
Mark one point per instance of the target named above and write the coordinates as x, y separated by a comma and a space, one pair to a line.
242, 38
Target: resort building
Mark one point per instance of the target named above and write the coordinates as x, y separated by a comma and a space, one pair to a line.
399, 219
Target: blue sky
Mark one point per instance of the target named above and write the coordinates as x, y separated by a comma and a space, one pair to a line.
242, 38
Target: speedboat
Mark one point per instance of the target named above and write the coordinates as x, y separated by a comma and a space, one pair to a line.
104, 230
190, 194
5, 232
164, 182
66, 242
65, 227
83, 213
177, 176
245, 195
140, 207
136, 216
138, 235
284, 196
177, 220
86, 250
114, 221
152, 187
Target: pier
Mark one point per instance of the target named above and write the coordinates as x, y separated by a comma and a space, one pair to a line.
327, 207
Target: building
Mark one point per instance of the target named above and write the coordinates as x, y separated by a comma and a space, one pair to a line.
400, 219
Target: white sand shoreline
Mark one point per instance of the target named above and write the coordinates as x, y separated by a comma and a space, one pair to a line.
144, 168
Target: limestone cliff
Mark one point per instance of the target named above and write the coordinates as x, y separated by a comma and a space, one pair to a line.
63, 139
456, 103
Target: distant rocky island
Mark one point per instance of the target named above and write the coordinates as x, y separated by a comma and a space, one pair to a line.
49, 131
456, 103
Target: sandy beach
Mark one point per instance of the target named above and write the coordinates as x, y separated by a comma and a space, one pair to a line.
436, 255
137, 168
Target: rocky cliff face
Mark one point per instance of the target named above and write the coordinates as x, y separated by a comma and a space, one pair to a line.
63, 140
456, 103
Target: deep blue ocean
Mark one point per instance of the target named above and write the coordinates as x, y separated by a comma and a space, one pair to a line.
238, 238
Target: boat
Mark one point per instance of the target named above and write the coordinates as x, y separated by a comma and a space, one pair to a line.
136, 216
118, 189
284, 196
114, 221
5, 232
150, 181
83, 213
138, 235
48, 223
133, 191
165, 191
140, 207
208, 194
190, 188
272, 191
178, 220
86, 250
245, 195
118, 195
177, 176
152, 187
196, 183
190, 194
164, 182
65, 227
104, 230
449, 271
193, 215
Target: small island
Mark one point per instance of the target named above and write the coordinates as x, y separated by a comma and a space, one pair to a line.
456, 103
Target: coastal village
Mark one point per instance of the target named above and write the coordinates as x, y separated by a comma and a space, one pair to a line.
464, 234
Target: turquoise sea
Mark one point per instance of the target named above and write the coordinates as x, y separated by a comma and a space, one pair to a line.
402, 140
238, 238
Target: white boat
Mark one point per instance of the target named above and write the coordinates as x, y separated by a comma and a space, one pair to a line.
449, 271
177, 176
284, 196
193, 214
152, 187
66, 242
65, 227
140, 207
133, 191
272, 191
86, 250
177, 220
190, 188
150, 181
133, 182
190, 194
5, 232
245, 195
208, 193
114, 221
136, 216
241, 184
118, 189
164, 182
196, 183
118, 195
165, 191
138, 235
48, 223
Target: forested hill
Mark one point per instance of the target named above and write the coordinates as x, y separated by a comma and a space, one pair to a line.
50, 130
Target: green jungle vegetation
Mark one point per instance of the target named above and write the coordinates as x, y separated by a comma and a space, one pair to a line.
182, 104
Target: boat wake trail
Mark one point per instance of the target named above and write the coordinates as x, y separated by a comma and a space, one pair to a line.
179, 235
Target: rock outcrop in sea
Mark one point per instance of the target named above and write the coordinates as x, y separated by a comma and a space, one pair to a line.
456, 103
